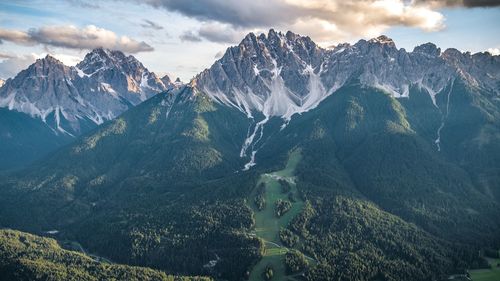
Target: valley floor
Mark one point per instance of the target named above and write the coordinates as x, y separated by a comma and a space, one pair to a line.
268, 224
492, 274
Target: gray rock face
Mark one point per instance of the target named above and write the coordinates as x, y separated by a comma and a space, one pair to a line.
73, 99
283, 74
273, 74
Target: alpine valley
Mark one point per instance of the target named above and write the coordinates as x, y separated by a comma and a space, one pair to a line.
282, 161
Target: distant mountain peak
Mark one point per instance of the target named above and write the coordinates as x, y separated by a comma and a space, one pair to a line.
428, 49
51, 58
102, 86
382, 39
100, 58
47, 62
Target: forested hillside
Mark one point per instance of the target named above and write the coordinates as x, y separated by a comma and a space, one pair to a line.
25, 256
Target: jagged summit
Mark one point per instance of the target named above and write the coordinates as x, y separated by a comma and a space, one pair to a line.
382, 39
101, 58
268, 73
283, 74
280, 75
51, 59
428, 49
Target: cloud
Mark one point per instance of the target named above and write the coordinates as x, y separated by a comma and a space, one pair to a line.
15, 36
219, 55
5, 56
220, 33
328, 19
66, 59
84, 4
151, 24
11, 65
71, 37
214, 32
190, 36
238, 13
494, 51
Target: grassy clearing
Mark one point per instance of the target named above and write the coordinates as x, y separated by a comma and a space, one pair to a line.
492, 274
267, 224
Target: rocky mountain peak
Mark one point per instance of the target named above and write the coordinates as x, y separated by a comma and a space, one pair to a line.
453, 53
47, 65
269, 73
283, 74
384, 40
72, 99
429, 49
379, 44
50, 60
102, 59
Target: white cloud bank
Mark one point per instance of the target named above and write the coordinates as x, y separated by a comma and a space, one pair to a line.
72, 37
494, 51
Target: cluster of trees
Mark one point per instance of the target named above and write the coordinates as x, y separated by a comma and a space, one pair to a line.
28, 257
260, 200
295, 262
288, 238
491, 253
268, 273
180, 238
281, 207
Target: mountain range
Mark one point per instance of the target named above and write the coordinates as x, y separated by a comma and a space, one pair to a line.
62, 102
394, 157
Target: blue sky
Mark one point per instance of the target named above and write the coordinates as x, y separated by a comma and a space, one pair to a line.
183, 37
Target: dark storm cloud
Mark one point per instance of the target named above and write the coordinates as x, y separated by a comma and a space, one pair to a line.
238, 13
481, 3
